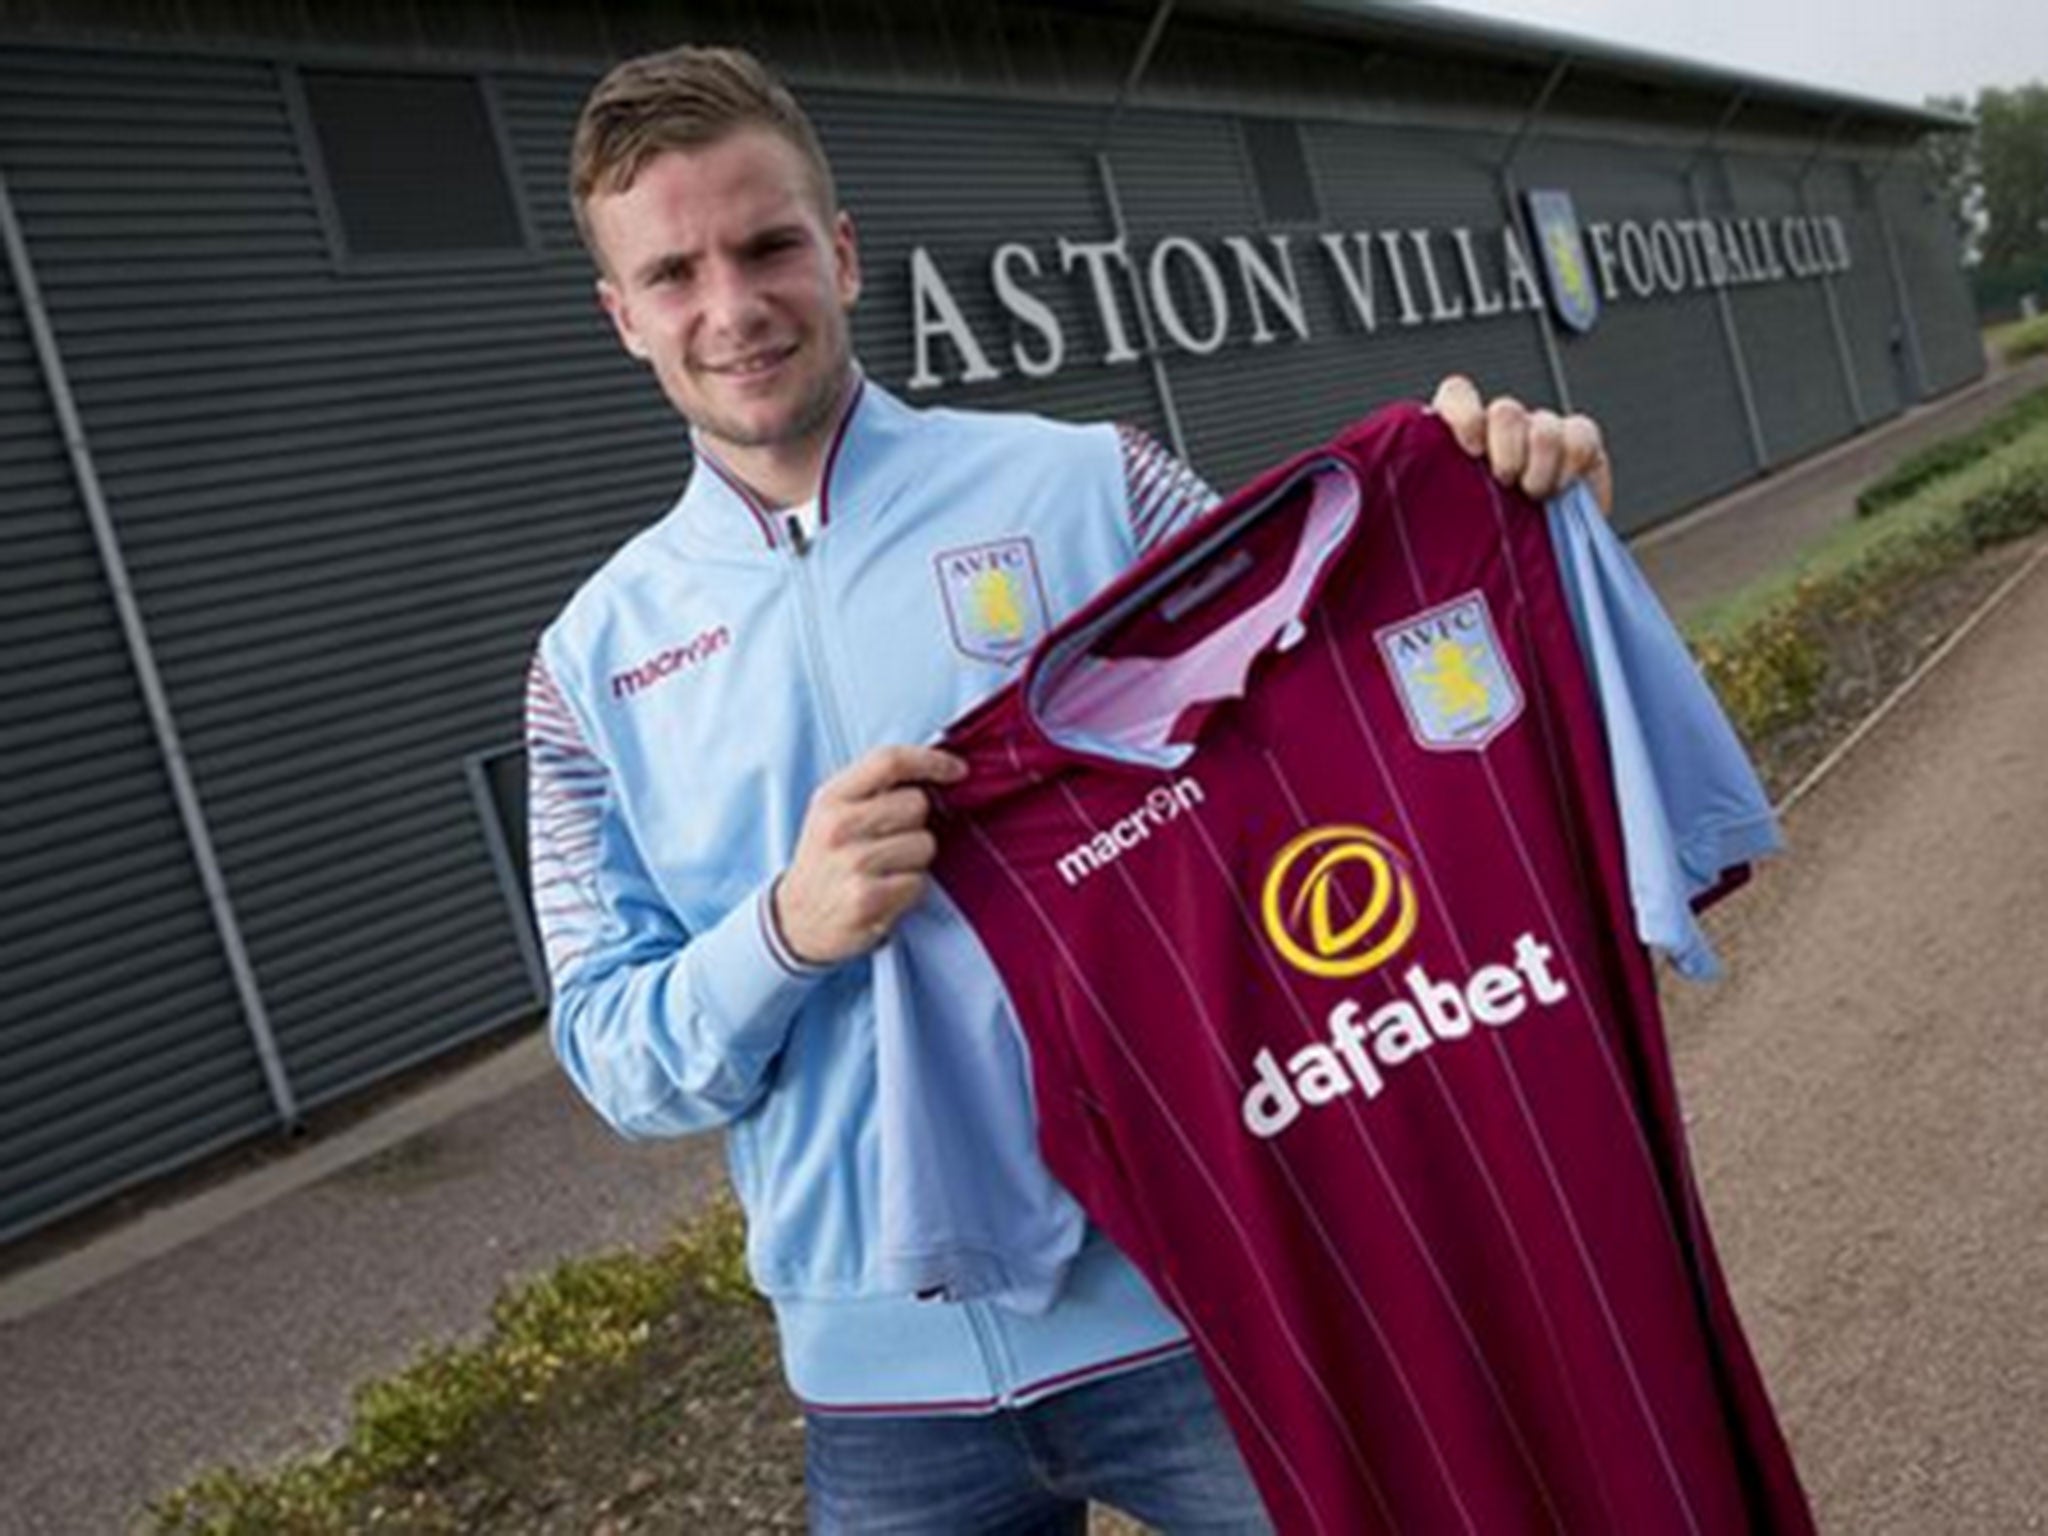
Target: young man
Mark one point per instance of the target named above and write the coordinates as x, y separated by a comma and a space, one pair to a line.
724, 732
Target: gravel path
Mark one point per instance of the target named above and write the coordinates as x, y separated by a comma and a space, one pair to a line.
1868, 1094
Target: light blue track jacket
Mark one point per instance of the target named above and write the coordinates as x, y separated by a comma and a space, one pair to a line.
682, 709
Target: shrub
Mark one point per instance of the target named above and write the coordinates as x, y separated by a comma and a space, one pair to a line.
587, 1314
1940, 460
2010, 508
2027, 339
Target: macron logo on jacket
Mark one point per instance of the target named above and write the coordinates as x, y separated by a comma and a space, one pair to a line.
667, 663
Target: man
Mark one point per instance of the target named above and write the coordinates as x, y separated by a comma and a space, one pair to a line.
728, 818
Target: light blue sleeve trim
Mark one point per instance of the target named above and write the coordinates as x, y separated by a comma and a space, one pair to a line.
1691, 805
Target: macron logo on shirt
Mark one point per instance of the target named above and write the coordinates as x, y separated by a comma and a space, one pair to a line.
664, 664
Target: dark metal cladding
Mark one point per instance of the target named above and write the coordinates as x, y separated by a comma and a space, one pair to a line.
351, 485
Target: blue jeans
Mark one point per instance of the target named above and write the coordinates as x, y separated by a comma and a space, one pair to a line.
1150, 1442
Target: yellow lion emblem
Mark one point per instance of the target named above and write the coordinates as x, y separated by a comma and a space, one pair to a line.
997, 612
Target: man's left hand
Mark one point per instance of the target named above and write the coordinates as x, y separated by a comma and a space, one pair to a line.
1539, 451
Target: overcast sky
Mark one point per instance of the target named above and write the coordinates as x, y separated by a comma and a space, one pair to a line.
1902, 50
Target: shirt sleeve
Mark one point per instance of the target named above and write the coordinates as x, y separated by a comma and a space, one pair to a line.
663, 1031
1162, 495
1693, 812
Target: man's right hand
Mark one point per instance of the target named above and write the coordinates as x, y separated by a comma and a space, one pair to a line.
863, 857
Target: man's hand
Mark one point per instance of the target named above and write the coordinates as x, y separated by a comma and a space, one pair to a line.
863, 854
1540, 451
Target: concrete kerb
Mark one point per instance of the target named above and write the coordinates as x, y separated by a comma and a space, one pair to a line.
160, 1231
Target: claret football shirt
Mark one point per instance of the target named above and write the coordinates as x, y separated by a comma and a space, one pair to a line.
1297, 852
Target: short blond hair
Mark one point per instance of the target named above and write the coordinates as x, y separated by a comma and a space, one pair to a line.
682, 98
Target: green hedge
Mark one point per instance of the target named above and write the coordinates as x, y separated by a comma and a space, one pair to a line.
1768, 664
2027, 338
586, 1315
1939, 460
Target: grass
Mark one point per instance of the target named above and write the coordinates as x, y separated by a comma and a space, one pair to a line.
2019, 339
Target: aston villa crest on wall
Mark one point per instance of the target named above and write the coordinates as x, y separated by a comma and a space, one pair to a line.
1554, 231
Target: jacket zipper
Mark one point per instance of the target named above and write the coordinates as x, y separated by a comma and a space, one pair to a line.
993, 1358
814, 650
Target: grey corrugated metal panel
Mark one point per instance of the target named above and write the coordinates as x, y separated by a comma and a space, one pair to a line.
124, 1169
442, 709
60, 900
144, 414
597, 514
64, 235
44, 108
554, 281
260, 804
202, 459
143, 402
96, 773
413, 948
1178, 173
103, 837
1380, 178
548, 530
122, 834
125, 1009
140, 1030
213, 484
484, 1012
1004, 171
197, 74
420, 362
379, 1006
1870, 311
999, 171
422, 319
115, 1127
252, 635
1793, 360
1649, 363
1949, 334
495, 565
89, 141
191, 438
75, 187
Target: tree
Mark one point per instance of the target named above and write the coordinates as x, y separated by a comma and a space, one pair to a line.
2012, 154
1952, 165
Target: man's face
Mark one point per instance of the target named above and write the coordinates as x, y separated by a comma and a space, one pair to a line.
728, 278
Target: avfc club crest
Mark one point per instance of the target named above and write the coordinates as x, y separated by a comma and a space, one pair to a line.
1555, 224
995, 600
1452, 676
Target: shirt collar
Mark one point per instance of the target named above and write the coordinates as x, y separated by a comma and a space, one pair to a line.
719, 510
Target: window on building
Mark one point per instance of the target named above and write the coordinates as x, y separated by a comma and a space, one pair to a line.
412, 162
1287, 194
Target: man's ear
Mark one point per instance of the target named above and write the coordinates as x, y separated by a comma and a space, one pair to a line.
621, 316
845, 258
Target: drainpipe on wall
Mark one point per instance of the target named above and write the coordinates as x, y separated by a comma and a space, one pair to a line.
1511, 197
1155, 359
136, 634
1915, 358
1757, 447
1827, 279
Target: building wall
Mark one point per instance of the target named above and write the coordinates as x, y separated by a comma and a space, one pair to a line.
350, 492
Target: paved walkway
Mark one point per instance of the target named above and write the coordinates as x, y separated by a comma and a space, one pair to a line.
231, 1326
1723, 546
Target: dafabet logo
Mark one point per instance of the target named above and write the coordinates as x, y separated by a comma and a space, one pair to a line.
1339, 902
1303, 902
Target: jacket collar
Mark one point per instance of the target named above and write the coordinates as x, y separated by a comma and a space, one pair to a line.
720, 513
